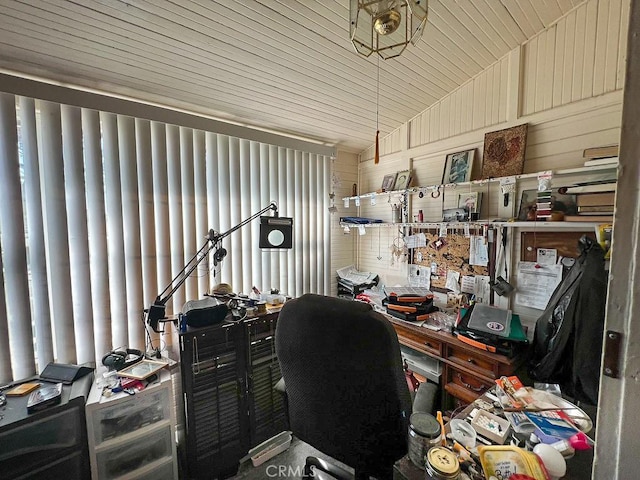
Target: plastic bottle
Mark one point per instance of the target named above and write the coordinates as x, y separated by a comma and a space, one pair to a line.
420, 216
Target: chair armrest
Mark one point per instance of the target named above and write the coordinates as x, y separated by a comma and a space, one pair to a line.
314, 465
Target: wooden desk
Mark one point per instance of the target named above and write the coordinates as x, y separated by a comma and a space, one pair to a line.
468, 372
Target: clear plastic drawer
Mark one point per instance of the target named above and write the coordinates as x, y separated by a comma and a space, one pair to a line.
164, 470
129, 456
129, 414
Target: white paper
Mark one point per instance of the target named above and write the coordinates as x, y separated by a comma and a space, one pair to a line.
547, 256
373, 200
415, 241
354, 276
361, 230
419, 276
536, 284
482, 288
452, 281
357, 201
443, 229
478, 251
468, 284
346, 203
418, 291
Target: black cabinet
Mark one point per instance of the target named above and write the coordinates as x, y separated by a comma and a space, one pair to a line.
228, 373
51, 443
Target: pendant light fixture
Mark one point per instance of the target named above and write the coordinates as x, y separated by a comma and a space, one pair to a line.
386, 27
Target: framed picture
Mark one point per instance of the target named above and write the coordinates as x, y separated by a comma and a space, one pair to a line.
470, 201
388, 182
559, 203
142, 369
504, 152
403, 179
457, 167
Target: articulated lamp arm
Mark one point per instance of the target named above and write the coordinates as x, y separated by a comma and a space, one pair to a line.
155, 314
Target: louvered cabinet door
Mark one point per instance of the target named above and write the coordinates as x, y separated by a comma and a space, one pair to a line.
213, 367
267, 414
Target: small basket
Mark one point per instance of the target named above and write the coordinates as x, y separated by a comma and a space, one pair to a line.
270, 448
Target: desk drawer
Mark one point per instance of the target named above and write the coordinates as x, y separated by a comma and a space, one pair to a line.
464, 385
419, 341
472, 361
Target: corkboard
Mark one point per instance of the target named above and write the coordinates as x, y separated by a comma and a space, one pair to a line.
453, 255
566, 243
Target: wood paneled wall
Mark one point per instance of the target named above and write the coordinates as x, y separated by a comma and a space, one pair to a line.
586, 61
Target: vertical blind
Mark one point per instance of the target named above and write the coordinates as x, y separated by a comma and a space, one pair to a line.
101, 211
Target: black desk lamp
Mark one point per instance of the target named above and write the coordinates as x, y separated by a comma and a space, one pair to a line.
275, 232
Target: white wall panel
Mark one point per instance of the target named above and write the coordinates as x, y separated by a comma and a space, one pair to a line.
564, 83
586, 49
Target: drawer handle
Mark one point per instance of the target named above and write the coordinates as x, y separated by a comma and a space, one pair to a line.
429, 344
466, 385
471, 360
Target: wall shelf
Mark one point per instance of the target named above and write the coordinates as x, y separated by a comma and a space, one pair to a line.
472, 183
479, 224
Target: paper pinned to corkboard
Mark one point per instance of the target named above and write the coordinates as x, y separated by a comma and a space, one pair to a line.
452, 254
504, 152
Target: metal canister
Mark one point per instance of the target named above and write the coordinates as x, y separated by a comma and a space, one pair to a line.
424, 433
442, 464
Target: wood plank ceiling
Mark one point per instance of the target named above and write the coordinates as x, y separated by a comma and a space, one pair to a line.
283, 65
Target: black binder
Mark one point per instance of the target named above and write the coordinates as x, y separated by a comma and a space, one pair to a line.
64, 373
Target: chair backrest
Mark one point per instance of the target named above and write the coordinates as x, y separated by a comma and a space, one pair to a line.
345, 386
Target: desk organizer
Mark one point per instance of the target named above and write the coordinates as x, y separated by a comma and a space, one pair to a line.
491, 426
270, 448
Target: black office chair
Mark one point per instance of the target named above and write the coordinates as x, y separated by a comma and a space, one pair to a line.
346, 390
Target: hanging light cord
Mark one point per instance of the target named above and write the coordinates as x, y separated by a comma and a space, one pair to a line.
377, 154
378, 95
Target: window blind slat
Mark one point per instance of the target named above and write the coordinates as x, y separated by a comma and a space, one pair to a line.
145, 201
188, 226
131, 230
223, 203
291, 212
160, 217
212, 200
78, 232
264, 200
55, 227
97, 231
175, 212
115, 234
41, 313
244, 202
271, 257
5, 344
234, 257
281, 197
200, 192
14, 251
256, 205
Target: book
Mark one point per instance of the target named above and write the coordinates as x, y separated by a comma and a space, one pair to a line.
601, 152
595, 199
589, 218
591, 209
601, 161
22, 389
592, 188
607, 211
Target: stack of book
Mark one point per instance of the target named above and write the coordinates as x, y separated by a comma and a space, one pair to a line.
596, 156
543, 205
595, 203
